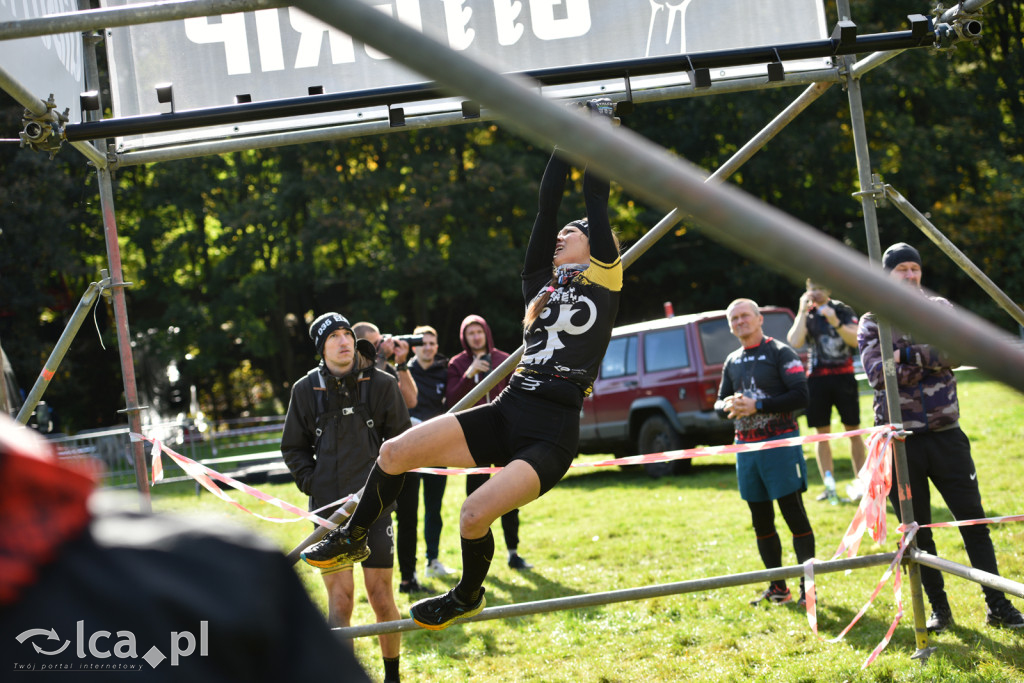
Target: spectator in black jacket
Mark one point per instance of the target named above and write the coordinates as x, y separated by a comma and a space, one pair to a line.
338, 415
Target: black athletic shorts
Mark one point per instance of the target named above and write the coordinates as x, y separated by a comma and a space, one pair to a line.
519, 425
826, 391
380, 538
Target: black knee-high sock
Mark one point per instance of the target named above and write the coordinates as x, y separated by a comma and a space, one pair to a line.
380, 491
803, 546
476, 562
770, 548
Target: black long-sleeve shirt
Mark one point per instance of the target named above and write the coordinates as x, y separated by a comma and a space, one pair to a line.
568, 340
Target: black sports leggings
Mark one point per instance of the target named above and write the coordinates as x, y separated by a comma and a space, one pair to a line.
762, 513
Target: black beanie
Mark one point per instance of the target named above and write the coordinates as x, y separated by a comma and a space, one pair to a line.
898, 253
324, 325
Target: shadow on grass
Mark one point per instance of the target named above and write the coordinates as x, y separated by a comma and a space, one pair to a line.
455, 640
958, 643
969, 640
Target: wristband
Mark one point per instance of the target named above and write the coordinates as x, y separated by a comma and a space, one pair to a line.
757, 405
403, 368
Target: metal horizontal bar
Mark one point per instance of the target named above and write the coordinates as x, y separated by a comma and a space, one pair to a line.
872, 61
960, 8
629, 594
142, 13
977, 575
351, 130
319, 104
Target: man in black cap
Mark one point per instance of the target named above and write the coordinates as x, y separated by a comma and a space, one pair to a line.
937, 449
339, 414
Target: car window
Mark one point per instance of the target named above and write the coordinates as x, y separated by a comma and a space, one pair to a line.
620, 358
666, 350
777, 325
717, 340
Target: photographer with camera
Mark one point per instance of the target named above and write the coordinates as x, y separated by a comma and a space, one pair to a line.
465, 371
392, 352
829, 327
392, 357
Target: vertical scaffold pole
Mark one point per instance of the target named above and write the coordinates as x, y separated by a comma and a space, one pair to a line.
117, 286
123, 335
867, 199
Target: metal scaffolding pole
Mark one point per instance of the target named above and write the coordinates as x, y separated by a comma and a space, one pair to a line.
995, 581
739, 221
61, 348
630, 594
37, 107
872, 61
141, 13
124, 344
382, 126
961, 8
867, 200
957, 256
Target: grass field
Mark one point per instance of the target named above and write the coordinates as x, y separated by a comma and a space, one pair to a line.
607, 529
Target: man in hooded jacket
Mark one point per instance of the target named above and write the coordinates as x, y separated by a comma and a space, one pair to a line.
465, 371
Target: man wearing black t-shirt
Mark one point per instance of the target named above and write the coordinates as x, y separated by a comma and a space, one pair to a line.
763, 384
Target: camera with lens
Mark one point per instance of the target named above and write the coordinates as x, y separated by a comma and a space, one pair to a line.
410, 339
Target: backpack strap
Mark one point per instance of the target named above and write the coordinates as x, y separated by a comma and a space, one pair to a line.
316, 382
363, 406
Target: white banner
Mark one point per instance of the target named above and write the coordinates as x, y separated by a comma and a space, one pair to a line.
45, 65
281, 53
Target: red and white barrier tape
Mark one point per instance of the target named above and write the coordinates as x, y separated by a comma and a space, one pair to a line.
876, 476
683, 454
205, 476
893, 568
810, 595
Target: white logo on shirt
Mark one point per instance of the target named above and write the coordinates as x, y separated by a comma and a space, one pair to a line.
563, 323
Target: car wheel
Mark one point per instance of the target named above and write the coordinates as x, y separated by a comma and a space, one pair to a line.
656, 436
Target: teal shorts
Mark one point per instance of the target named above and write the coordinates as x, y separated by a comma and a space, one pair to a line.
773, 473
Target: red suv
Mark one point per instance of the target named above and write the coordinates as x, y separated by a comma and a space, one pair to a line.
658, 383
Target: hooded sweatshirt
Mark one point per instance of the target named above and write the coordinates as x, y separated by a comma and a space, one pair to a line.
458, 384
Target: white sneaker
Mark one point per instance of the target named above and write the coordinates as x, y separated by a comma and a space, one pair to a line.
436, 570
855, 490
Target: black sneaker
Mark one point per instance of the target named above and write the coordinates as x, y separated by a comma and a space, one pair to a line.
336, 548
517, 562
1006, 616
441, 612
773, 595
940, 620
411, 586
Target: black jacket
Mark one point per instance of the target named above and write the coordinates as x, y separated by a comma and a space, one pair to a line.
347, 448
